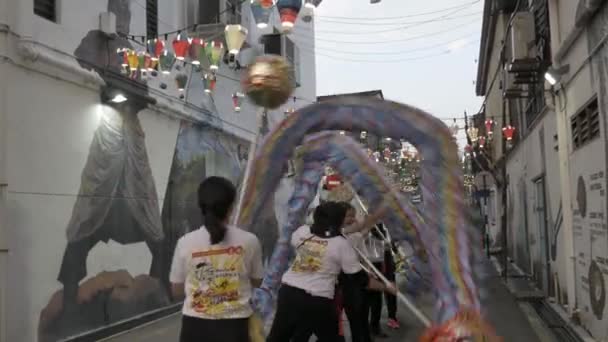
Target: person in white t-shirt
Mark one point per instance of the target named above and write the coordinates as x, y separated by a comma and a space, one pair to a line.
215, 269
305, 302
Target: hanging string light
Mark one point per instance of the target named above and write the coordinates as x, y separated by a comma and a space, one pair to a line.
181, 46
261, 14
508, 132
489, 127
133, 60
123, 56
468, 150
288, 11
363, 135
473, 133
237, 100
235, 38
209, 81
167, 59
266, 3
196, 50
214, 51
481, 141
181, 80
155, 48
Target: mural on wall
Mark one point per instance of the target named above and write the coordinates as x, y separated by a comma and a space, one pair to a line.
117, 201
593, 275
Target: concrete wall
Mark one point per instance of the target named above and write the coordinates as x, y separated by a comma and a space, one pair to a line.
54, 132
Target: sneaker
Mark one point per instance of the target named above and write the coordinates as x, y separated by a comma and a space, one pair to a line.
393, 324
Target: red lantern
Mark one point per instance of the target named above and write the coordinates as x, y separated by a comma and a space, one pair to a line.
508, 132
181, 47
481, 141
468, 150
489, 126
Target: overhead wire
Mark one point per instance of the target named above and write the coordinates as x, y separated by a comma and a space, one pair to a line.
403, 16
358, 42
397, 28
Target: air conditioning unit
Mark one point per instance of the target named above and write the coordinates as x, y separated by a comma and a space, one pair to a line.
522, 37
107, 23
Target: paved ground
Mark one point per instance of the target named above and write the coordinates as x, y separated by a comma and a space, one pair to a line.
502, 310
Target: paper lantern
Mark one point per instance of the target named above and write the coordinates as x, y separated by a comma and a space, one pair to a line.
261, 14
236, 101
181, 45
133, 60
468, 150
489, 126
209, 81
508, 132
473, 133
167, 59
214, 51
288, 10
155, 48
196, 50
481, 141
123, 57
181, 80
267, 4
235, 38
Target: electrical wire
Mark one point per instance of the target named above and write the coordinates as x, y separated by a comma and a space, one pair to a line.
385, 61
403, 16
402, 24
305, 29
400, 52
436, 33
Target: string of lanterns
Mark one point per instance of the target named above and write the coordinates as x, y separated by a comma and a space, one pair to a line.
481, 140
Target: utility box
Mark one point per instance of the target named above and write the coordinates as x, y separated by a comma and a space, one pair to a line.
107, 23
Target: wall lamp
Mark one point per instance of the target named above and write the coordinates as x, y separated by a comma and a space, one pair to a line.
112, 95
554, 75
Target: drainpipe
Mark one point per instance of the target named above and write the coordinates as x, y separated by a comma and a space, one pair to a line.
568, 259
4, 244
582, 19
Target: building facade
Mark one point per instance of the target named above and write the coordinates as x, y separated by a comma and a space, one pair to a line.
94, 195
554, 93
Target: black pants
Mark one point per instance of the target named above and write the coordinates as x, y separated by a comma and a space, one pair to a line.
208, 330
298, 313
357, 312
389, 273
374, 306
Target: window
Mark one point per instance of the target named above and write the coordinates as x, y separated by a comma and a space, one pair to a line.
46, 9
585, 125
277, 44
151, 18
292, 54
208, 12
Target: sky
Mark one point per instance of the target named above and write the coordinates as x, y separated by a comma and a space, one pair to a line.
422, 53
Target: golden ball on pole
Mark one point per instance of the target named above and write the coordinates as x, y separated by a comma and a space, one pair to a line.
267, 82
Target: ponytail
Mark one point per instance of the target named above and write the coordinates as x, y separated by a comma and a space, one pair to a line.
216, 196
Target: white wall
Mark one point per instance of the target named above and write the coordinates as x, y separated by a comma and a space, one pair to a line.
50, 137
